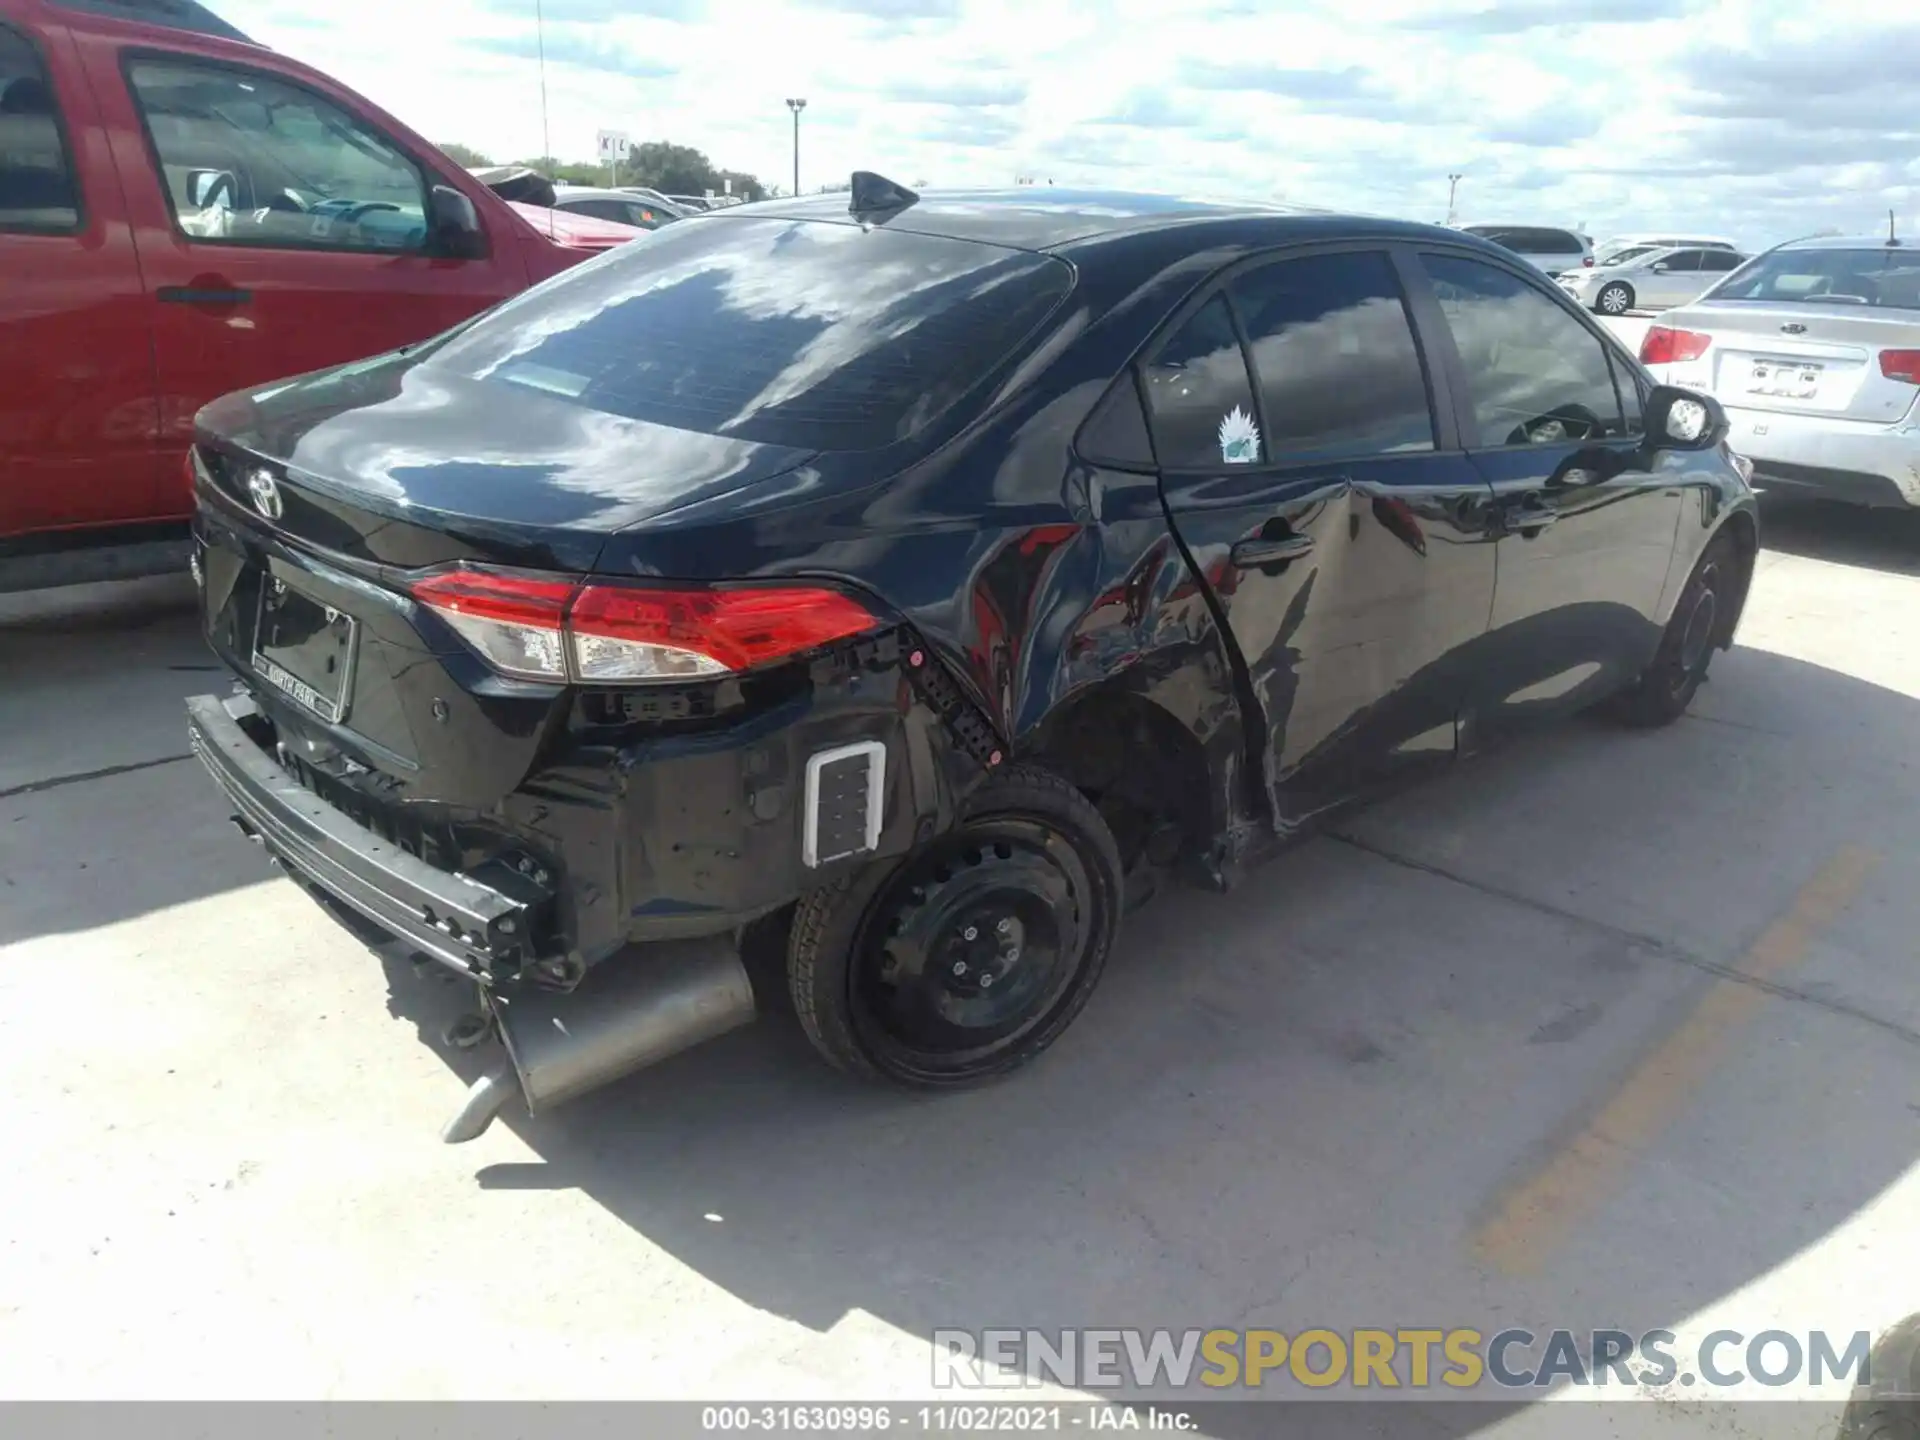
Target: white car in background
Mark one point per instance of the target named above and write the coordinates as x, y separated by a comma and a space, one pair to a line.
1814, 351
1649, 279
1549, 248
1619, 247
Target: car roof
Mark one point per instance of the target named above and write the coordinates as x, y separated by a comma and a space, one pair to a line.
594, 192
1848, 242
1035, 217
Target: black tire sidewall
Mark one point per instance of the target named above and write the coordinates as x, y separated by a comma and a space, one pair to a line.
828, 924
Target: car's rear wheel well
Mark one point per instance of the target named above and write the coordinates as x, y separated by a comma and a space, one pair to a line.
1143, 770
1744, 536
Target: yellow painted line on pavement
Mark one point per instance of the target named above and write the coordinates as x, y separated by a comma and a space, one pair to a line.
1535, 1215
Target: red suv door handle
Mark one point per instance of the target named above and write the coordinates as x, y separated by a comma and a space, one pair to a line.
202, 295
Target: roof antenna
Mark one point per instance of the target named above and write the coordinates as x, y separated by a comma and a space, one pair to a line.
874, 199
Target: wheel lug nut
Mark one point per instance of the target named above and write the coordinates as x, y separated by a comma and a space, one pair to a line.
1013, 954
970, 933
985, 981
1004, 926
959, 967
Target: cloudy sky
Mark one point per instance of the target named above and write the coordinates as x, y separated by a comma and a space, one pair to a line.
1760, 119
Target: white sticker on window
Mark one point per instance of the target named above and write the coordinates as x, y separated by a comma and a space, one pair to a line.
1239, 438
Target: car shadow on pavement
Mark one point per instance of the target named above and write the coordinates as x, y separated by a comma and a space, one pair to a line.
1881, 539
1591, 1034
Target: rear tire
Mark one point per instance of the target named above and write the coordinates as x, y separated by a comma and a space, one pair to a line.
1615, 298
1667, 686
893, 970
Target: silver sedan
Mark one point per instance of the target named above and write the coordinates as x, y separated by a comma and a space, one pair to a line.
1650, 280
1814, 351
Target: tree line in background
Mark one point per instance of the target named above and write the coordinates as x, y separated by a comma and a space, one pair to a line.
658, 164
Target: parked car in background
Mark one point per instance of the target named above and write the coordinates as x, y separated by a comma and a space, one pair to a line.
692, 202
619, 206
1650, 280
1134, 533
1616, 248
646, 193
1545, 247
1814, 350
184, 212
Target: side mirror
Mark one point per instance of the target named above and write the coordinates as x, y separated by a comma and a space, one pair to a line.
453, 226
1660, 267
207, 188
1679, 419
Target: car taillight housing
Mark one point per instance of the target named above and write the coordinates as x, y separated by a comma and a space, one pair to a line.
1663, 345
1901, 365
593, 632
1587, 261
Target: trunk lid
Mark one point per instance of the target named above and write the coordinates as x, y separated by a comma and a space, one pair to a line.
388, 464
1807, 358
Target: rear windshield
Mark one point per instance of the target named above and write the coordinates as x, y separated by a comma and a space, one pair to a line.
1885, 278
820, 336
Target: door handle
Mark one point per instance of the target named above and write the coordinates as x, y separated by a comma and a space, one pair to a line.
1249, 553
201, 295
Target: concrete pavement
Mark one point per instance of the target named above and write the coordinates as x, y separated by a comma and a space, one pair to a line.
1607, 1029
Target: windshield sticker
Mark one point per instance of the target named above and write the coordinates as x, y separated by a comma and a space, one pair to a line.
1239, 438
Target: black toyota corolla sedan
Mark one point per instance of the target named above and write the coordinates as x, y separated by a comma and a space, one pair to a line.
913, 580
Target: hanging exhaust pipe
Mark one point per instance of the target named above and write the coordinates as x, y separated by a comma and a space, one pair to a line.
626, 1015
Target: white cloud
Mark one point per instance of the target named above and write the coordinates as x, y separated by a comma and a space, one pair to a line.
1756, 118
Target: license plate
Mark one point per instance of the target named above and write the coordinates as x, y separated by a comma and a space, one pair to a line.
305, 650
1793, 379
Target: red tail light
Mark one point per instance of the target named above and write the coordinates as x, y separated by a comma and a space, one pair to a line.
556, 630
1587, 261
1901, 365
1666, 346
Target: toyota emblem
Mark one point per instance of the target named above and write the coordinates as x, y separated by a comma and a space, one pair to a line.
265, 493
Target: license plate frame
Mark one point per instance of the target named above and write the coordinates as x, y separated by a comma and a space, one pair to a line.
1785, 379
336, 636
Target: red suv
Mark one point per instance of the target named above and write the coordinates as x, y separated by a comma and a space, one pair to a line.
184, 213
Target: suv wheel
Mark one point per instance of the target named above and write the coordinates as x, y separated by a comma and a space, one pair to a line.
973, 954
1615, 298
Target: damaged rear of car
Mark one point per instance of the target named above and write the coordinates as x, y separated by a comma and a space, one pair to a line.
577, 640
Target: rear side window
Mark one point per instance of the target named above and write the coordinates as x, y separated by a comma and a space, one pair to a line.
37, 189
1721, 260
820, 336
1536, 375
1683, 261
1334, 358
1199, 396
1548, 242
1881, 278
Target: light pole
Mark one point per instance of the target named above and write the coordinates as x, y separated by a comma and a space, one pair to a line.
796, 106
1453, 186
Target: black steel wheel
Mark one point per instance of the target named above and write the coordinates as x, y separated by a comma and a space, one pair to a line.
974, 953
1668, 686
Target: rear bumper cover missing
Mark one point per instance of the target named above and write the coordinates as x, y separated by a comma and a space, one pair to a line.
458, 920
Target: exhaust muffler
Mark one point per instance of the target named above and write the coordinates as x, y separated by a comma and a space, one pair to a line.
627, 1014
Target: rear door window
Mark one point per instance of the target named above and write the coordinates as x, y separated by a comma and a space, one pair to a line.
248, 159
1334, 358
1721, 260
1199, 397
818, 336
37, 187
1682, 262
